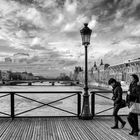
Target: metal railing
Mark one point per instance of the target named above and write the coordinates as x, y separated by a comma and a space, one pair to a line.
69, 94
102, 94
22, 94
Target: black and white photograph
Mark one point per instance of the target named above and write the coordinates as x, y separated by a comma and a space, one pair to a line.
69, 69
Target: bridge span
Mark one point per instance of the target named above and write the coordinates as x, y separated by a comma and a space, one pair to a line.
30, 82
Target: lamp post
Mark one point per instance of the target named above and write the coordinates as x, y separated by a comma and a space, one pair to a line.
85, 34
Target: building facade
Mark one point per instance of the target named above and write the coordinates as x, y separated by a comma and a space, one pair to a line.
103, 72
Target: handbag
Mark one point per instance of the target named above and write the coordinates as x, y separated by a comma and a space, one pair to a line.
135, 108
123, 103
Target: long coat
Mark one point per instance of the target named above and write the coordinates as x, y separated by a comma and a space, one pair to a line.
117, 93
134, 92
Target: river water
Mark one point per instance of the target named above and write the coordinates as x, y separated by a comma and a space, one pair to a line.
70, 104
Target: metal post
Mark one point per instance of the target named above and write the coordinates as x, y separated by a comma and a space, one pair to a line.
12, 106
78, 104
86, 115
93, 103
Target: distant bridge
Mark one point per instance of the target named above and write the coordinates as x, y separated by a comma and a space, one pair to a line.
30, 82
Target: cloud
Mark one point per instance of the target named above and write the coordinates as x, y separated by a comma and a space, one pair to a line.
92, 22
136, 31
32, 15
25, 2
35, 41
37, 47
21, 54
69, 27
59, 19
5, 47
68, 63
114, 58
21, 34
71, 6
49, 30
8, 7
46, 3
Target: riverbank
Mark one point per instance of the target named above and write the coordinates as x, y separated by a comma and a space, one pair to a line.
99, 86
95, 86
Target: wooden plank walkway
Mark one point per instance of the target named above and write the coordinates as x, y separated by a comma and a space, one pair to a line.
69, 128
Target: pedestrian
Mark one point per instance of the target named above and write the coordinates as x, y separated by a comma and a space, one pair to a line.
132, 96
117, 98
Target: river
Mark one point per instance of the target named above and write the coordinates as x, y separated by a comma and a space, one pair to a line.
69, 104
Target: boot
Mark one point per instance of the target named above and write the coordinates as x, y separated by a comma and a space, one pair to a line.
132, 132
123, 124
114, 127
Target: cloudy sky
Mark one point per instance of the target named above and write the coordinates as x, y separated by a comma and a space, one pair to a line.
47, 31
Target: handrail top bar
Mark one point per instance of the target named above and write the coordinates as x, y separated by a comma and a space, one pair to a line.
41, 92
104, 91
101, 91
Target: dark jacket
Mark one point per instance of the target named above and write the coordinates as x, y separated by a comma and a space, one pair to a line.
117, 93
133, 88
138, 93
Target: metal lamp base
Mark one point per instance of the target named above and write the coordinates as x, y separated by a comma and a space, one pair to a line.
86, 115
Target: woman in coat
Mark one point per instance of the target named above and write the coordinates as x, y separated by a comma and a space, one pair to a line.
117, 98
132, 97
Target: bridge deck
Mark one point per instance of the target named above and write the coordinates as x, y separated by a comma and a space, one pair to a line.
62, 129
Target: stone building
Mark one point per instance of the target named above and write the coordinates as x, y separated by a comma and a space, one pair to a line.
78, 74
5, 75
100, 74
8, 60
103, 72
123, 71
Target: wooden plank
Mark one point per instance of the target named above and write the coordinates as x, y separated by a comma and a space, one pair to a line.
78, 131
55, 135
36, 134
4, 124
62, 129
100, 130
72, 130
68, 130
50, 131
41, 129
91, 133
14, 125
55, 128
25, 128
120, 133
61, 133
65, 131
18, 130
44, 131
28, 135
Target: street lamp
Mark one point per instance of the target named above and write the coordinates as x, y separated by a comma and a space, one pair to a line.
85, 34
